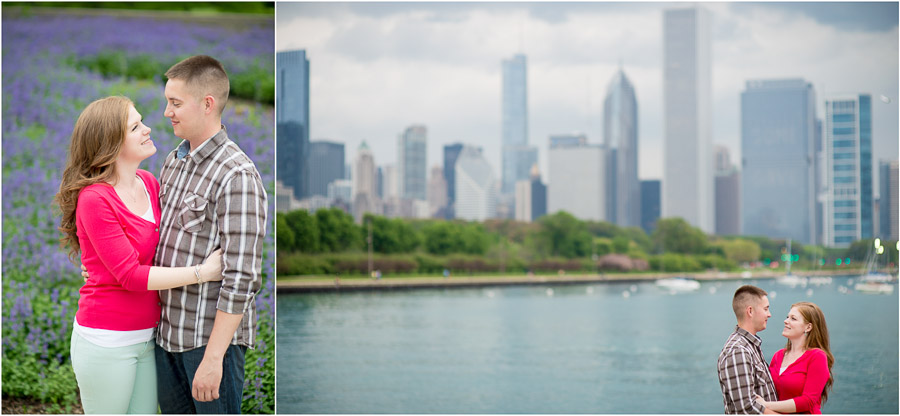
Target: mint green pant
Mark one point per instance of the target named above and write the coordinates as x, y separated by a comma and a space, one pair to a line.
115, 380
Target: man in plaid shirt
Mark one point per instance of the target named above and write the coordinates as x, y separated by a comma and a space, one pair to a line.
211, 196
743, 372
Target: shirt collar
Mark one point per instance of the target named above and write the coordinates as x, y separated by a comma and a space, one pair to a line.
754, 339
205, 149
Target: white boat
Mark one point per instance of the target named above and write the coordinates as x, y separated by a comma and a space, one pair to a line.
820, 281
678, 284
875, 288
792, 281
876, 277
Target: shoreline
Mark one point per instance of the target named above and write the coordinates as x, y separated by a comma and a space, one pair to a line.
403, 283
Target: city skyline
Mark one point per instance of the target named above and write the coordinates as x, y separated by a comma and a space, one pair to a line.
407, 48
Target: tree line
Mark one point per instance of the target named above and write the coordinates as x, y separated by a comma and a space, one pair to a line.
329, 241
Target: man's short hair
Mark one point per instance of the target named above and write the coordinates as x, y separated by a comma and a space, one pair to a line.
743, 298
203, 75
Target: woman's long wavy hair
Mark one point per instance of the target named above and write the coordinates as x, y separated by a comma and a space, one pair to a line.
96, 142
816, 338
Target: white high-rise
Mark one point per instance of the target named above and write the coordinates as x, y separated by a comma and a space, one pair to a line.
577, 178
687, 187
476, 186
412, 159
364, 197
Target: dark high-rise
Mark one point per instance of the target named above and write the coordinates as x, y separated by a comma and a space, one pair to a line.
326, 165
649, 205
292, 119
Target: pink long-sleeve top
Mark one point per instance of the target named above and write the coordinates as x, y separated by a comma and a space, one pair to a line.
117, 248
803, 381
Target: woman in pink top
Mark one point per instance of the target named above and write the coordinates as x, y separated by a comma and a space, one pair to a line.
110, 215
802, 370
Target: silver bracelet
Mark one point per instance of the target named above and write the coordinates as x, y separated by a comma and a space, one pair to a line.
197, 273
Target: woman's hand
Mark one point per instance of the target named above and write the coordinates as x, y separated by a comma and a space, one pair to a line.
760, 400
211, 269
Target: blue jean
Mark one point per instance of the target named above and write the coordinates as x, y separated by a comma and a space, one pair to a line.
175, 376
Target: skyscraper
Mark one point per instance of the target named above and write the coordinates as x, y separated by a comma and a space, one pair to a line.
778, 127
728, 194
577, 178
620, 136
411, 163
531, 197
889, 188
650, 206
687, 187
364, 199
451, 153
326, 164
437, 193
848, 144
476, 186
292, 119
517, 155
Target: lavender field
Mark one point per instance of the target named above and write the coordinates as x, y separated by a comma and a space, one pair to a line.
50, 73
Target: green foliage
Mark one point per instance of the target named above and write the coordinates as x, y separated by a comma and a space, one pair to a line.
392, 235
566, 236
257, 83
218, 7
740, 250
675, 235
337, 231
260, 369
305, 229
620, 244
284, 238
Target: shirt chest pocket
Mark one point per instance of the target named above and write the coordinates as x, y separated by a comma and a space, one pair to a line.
192, 215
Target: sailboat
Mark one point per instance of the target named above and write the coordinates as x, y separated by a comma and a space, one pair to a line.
789, 279
875, 281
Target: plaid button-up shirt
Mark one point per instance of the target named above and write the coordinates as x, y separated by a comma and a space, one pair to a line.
743, 373
211, 197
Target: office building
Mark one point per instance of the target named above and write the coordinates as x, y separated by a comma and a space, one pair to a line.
778, 181
687, 187
476, 186
326, 165
848, 209
364, 198
650, 205
577, 178
888, 193
620, 136
531, 197
292, 121
411, 163
437, 193
728, 194
517, 156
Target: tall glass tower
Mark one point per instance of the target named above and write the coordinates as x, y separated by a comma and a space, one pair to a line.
518, 157
620, 135
292, 120
687, 187
778, 127
411, 163
848, 207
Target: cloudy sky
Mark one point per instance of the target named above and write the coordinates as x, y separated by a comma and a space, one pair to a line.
377, 68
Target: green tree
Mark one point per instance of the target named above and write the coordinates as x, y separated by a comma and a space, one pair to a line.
441, 237
337, 231
740, 250
566, 235
284, 235
675, 235
305, 230
474, 239
620, 244
392, 235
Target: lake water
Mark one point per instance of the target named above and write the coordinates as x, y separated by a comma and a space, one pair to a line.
558, 349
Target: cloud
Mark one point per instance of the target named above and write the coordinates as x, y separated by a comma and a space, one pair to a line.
379, 67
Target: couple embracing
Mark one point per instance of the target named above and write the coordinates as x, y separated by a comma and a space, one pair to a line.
799, 376
172, 266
